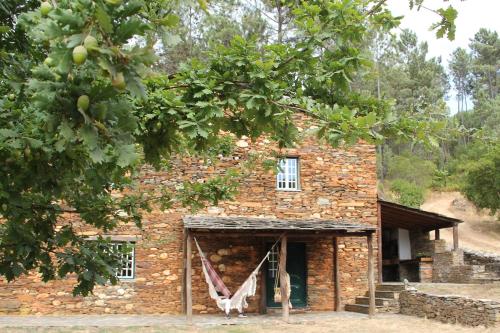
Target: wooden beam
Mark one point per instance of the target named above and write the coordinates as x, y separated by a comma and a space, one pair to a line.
336, 275
455, 237
436, 234
238, 234
371, 282
189, 278
379, 243
283, 280
263, 287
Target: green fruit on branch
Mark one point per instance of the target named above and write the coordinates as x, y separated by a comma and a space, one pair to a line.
90, 43
119, 81
27, 152
4, 207
79, 54
12, 97
48, 61
45, 8
114, 2
83, 103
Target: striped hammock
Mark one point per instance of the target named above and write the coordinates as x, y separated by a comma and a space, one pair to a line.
226, 302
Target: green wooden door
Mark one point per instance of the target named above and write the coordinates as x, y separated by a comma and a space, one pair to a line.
297, 268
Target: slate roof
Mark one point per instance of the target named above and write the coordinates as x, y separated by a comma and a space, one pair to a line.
398, 216
260, 223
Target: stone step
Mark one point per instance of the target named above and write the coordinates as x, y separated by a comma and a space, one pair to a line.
385, 294
485, 275
485, 280
493, 268
390, 287
359, 308
378, 301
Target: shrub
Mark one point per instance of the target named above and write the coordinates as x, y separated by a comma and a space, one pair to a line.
408, 194
482, 182
412, 169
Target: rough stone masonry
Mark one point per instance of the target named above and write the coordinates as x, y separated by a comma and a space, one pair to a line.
335, 184
450, 309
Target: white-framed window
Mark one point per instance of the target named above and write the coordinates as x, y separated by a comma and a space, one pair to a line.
287, 178
273, 262
127, 269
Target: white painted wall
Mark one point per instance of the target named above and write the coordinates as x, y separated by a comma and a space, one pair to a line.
404, 244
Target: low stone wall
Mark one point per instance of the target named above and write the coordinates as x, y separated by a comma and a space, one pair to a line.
479, 258
450, 309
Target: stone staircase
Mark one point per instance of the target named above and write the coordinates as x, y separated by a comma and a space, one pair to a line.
386, 299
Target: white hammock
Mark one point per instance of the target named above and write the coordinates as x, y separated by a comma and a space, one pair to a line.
239, 299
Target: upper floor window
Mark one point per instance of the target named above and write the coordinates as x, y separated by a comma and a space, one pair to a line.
127, 268
288, 174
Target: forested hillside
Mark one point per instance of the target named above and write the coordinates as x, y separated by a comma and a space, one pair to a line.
465, 155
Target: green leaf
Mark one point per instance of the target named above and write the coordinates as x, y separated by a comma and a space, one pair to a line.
34, 143
8, 133
103, 19
126, 155
74, 40
203, 5
170, 20
64, 59
97, 155
89, 136
130, 28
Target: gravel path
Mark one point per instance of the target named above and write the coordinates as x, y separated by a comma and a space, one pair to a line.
319, 322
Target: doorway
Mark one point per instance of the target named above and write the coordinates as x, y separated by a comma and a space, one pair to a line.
296, 266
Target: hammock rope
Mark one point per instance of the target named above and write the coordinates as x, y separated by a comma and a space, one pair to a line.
216, 286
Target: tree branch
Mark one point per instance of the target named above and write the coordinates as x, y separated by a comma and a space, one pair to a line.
376, 7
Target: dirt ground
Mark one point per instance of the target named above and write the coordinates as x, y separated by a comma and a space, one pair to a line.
479, 291
479, 232
386, 323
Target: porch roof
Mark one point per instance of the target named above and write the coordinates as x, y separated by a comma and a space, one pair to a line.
244, 223
394, 215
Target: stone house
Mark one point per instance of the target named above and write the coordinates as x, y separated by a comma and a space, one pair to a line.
324, 200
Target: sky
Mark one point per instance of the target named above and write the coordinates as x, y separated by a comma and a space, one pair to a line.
472, 15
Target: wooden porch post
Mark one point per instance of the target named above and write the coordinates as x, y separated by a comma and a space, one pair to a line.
189, 277
183, 283
283, 279
371, 283
263, 287
455, 237
437, 235
336, 274
379, 242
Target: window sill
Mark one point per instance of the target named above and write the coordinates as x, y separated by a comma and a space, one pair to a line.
126, 280
287, 190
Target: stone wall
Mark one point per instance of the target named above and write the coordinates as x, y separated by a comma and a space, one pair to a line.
449, 267
479, 258
336, 184
450, 309
421, 245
